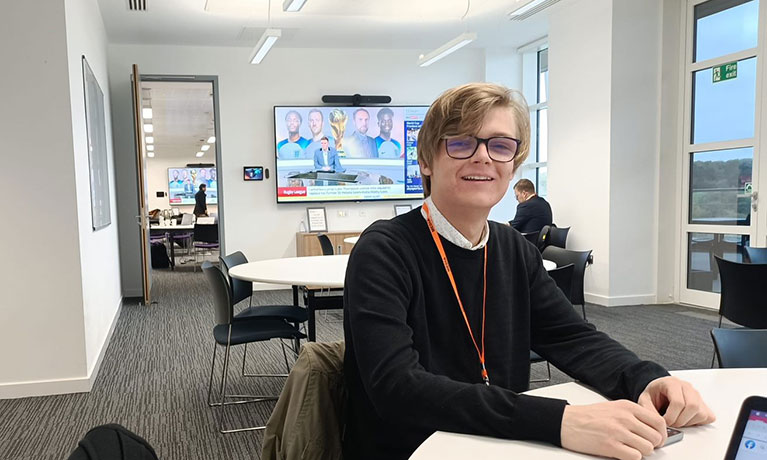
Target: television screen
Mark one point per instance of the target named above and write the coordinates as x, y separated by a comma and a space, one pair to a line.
369, 153
183, 183
253, 172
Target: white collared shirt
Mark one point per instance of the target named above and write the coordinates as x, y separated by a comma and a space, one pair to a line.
450, 233
325, 157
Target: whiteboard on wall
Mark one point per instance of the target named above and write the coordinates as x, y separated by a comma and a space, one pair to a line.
95, 122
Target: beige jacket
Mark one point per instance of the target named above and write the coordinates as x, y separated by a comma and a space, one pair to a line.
307, 422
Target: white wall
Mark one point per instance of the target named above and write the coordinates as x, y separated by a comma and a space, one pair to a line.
98, 249
579, 130
254, 223
635, 122
41, 318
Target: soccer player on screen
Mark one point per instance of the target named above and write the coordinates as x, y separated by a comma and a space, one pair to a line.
292, 147
385, 145
316, 126
359, 144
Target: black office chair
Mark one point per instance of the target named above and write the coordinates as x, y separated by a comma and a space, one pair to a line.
740, 347
563, 276
230, 331
205, 237
241, 290
743, 298
755, 255
580, 260
558, 237
543, 238
532, 237
327, 246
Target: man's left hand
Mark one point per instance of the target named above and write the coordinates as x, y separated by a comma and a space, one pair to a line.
682, 402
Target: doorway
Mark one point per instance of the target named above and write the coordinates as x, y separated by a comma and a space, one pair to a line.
182, 182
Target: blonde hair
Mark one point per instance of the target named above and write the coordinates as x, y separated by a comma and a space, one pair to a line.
461, 111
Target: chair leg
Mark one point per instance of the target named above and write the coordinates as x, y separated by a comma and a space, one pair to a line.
244, 374
285, 355
223, 383
583, 308
713, 356
212, 367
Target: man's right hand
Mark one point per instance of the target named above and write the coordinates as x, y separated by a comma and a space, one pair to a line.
616, 429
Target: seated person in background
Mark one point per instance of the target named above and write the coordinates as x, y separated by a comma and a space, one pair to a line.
326, 158
533, 212
429, 348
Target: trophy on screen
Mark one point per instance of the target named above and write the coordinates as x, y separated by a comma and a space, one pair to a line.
338, 119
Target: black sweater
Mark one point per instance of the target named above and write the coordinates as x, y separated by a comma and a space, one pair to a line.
411, 368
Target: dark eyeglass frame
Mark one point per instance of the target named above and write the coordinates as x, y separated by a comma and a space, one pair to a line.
485, 141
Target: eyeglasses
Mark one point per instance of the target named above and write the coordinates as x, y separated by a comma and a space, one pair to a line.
501, 149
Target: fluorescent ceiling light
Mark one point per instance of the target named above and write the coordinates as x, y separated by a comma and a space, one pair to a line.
291, 6
211, 139
205, 147
148, 128
150, 154
199, 154
524, 8
150, 139
146, 112
264, 45
150, 147
449, 47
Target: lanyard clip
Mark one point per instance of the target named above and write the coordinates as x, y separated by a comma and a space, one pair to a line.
485, 377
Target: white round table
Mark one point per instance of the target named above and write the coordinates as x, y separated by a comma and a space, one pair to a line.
352, 239
722, 389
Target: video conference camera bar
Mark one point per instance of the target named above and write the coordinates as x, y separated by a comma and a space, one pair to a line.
355, 100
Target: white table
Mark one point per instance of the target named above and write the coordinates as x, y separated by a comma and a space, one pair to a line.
723, 390
319, 271
352, 239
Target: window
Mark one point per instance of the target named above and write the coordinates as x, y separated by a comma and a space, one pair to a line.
535, 86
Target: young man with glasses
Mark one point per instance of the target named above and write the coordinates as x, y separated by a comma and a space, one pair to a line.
443, 307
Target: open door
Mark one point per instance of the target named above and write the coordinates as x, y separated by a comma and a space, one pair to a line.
143, 217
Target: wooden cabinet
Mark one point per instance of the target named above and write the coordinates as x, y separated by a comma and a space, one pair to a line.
307, 243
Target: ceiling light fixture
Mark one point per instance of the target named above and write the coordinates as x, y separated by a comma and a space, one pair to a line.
524, 8
150, 147
147, 113
291, 6
212, 140
199, 154
449, 47
148, 128
150, 139
150, 154
205, 147
264, 44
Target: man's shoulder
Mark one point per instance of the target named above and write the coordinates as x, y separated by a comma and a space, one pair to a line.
282, 142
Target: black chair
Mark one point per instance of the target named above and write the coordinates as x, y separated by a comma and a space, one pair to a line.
743, 297
755, 255
563, 276
580, 260
241, 290
532, 237
230, 331
205, 238
543, 238
558, 236
327, 246
740, 347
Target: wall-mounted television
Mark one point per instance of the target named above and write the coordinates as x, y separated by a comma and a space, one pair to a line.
370, 154
183, 183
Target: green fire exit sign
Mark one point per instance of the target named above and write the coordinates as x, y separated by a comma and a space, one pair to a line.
725, 72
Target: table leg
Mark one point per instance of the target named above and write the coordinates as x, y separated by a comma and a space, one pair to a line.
171, 241
295, 295
312, 319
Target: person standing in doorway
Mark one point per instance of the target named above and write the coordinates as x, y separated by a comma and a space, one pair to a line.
200, 207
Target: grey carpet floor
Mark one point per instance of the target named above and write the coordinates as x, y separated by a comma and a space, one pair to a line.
154, 376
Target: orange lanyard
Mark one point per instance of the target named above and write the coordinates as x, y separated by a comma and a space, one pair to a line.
438, 242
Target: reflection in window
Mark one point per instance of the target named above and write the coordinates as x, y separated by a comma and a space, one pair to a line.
543, 135
543, 188
724, 27
702, 272
717, 187
724, 111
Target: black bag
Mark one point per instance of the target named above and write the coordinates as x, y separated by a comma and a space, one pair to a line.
113, 442
160, 256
